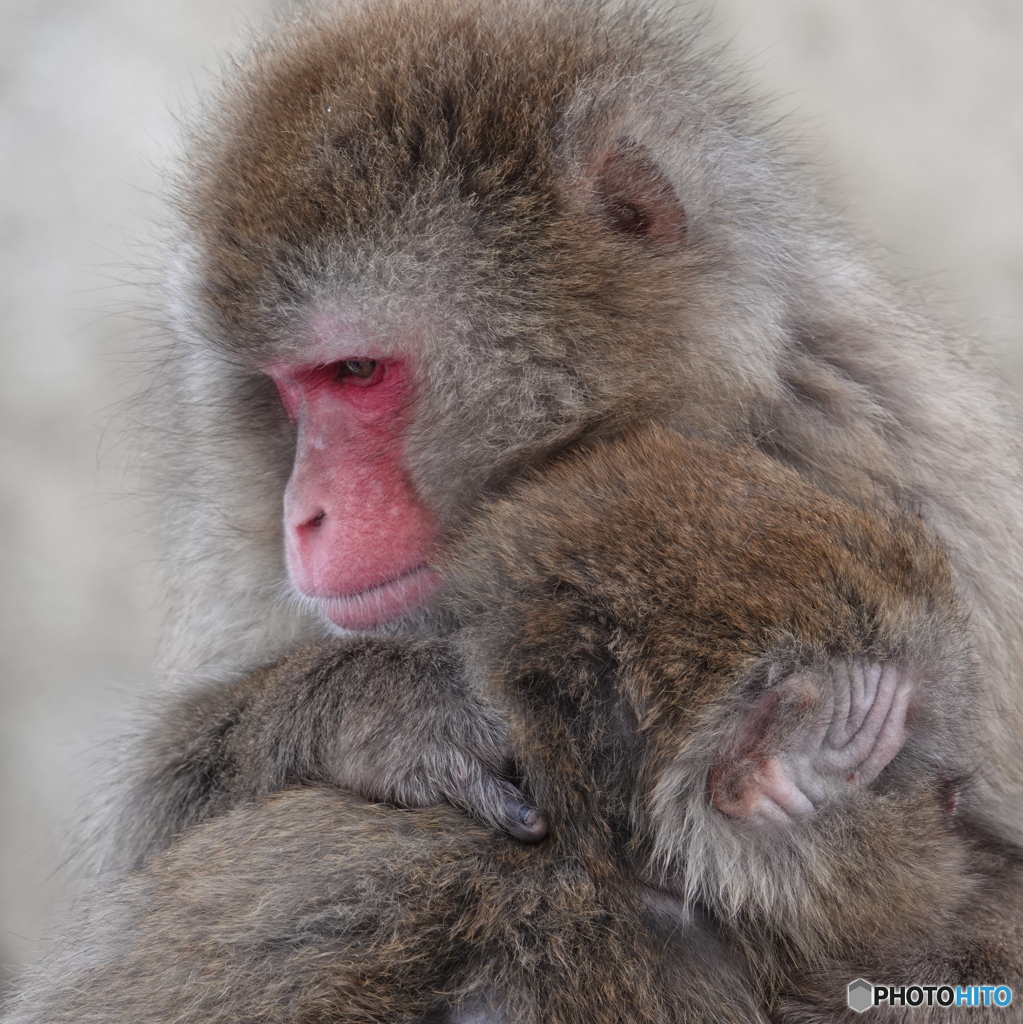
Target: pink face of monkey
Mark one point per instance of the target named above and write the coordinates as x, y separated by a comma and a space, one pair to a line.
358, 537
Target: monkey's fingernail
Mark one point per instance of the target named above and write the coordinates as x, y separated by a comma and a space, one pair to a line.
521, 813
518, 811
528, 816
528, 823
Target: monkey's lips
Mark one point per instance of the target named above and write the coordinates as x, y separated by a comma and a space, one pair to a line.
382, 603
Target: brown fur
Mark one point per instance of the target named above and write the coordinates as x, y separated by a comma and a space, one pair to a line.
571, 218
692, 577
457, 178
621, 609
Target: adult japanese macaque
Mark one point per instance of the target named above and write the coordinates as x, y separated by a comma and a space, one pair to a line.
745, 705
427, 244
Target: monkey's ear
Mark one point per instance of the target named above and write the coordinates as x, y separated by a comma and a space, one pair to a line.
635, 198
809, 739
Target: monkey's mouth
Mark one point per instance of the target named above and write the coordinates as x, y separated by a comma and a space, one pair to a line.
382, 603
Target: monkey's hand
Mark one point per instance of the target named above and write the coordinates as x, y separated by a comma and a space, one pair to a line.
410, 730
391, 719
802, 745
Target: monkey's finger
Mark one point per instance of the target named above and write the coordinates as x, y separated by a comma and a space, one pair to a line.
891, 737
868, 681
881, 695
500, 804
524, 821
508, 809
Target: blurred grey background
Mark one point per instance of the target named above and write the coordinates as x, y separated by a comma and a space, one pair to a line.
914, 109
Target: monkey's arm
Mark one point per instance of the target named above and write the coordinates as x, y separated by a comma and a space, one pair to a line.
388, 719
310, 905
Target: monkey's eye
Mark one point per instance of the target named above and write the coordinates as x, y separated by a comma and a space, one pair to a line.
360, 369
356, 373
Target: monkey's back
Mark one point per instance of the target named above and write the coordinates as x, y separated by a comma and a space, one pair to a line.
642, 580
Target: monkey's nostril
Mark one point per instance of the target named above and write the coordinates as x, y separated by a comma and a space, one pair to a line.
317, 520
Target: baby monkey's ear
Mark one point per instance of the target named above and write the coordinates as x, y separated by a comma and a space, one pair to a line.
818, 734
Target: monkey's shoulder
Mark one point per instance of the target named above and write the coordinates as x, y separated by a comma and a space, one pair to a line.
667, 524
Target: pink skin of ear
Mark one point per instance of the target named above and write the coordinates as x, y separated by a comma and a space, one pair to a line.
357, 536
637, 198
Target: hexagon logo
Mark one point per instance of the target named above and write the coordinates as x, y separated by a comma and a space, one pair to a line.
860, 994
